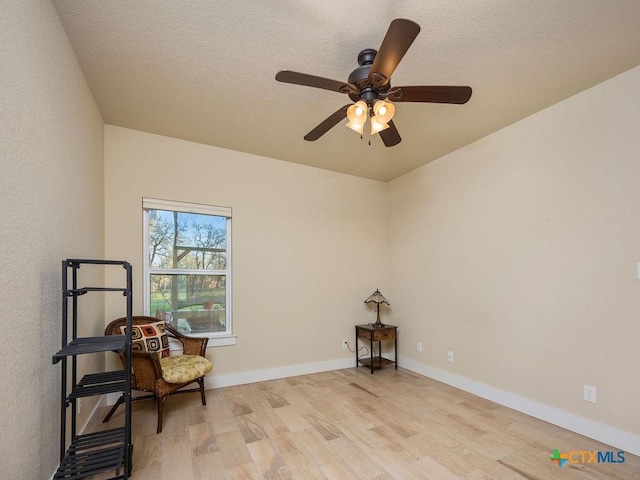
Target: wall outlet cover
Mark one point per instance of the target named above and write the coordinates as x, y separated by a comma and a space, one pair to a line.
589, 394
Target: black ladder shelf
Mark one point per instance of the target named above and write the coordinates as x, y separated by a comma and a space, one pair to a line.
86, 455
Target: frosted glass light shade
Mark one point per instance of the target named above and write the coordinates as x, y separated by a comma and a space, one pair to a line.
356, 127
384, 111
357, 113
376, 126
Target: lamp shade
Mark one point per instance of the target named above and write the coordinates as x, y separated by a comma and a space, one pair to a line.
383, 111
356, 127
376, 126
377, 297
357, 115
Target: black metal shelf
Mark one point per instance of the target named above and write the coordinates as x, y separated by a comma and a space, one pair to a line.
83, 345
93, 453
99, 384
89, 454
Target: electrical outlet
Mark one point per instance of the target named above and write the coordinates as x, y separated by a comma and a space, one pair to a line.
589, 394
450, 356
419, 347
345, 344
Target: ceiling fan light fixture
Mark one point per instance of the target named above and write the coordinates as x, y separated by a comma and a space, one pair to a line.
384, 111
356, 127
377, 127
357, 113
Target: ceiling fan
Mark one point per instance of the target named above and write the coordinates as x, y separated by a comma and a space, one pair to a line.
369, 87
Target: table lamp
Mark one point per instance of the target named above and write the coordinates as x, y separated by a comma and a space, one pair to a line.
377, 298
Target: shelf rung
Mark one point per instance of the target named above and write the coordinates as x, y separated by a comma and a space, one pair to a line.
81, 291
99, 384
102, 377
91, 345
93, 453
72, 261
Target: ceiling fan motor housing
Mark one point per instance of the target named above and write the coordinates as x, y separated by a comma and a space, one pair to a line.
360, 78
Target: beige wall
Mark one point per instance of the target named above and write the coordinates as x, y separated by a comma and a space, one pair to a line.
51, 208
518, 253
309, 245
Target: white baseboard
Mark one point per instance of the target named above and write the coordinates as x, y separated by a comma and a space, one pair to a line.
230, 379
606, 434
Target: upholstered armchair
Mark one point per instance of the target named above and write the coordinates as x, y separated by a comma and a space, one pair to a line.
154, 370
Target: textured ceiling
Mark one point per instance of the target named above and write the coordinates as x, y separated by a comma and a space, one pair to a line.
203, 70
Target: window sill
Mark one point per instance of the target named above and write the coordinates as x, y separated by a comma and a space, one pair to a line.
221, 341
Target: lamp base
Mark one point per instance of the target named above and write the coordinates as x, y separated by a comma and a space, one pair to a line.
378, 324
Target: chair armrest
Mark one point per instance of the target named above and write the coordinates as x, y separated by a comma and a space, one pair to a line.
190, 345
146, 370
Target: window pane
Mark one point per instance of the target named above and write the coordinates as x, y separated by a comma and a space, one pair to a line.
187, 240
190, 303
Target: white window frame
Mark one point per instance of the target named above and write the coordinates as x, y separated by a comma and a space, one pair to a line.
215, 338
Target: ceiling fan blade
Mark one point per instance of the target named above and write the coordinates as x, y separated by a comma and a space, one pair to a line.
328, 123
397, 41
390, 136
431, 94
287, 76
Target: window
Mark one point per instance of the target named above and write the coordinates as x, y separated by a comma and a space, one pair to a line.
188, 267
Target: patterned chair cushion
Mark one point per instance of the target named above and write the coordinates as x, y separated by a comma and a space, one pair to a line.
184, 368
149, 338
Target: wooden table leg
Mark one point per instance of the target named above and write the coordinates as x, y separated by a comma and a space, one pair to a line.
371, 352
357, 362
395, 348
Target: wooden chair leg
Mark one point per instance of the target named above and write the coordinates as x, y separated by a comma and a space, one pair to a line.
113, 409
160, 401
201, 383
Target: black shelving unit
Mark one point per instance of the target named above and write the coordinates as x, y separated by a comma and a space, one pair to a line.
85, 455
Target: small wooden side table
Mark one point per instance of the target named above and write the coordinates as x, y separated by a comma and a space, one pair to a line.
377, 334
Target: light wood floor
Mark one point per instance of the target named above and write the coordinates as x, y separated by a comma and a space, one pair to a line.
348, 424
